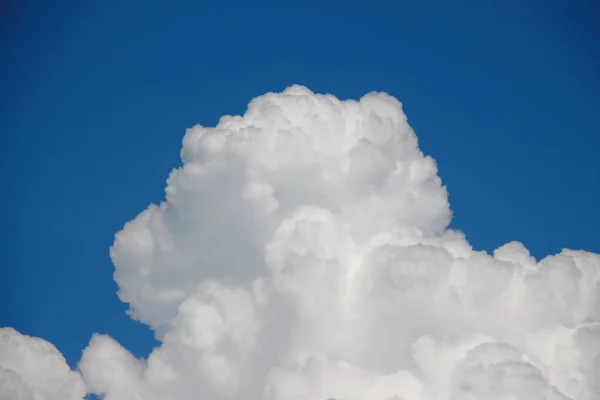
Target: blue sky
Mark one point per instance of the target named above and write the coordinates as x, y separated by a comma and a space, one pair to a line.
96, 98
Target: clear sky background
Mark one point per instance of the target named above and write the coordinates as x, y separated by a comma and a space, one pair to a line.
95, 98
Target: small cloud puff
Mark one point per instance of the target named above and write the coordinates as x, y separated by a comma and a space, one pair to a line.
33, 369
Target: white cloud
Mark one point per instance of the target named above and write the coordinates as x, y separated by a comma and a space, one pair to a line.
33, 369
303, 252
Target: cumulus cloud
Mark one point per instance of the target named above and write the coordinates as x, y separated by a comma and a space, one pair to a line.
303, 252
33, 369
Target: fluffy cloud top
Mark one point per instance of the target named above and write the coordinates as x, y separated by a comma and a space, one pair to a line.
303, 253
33, 369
